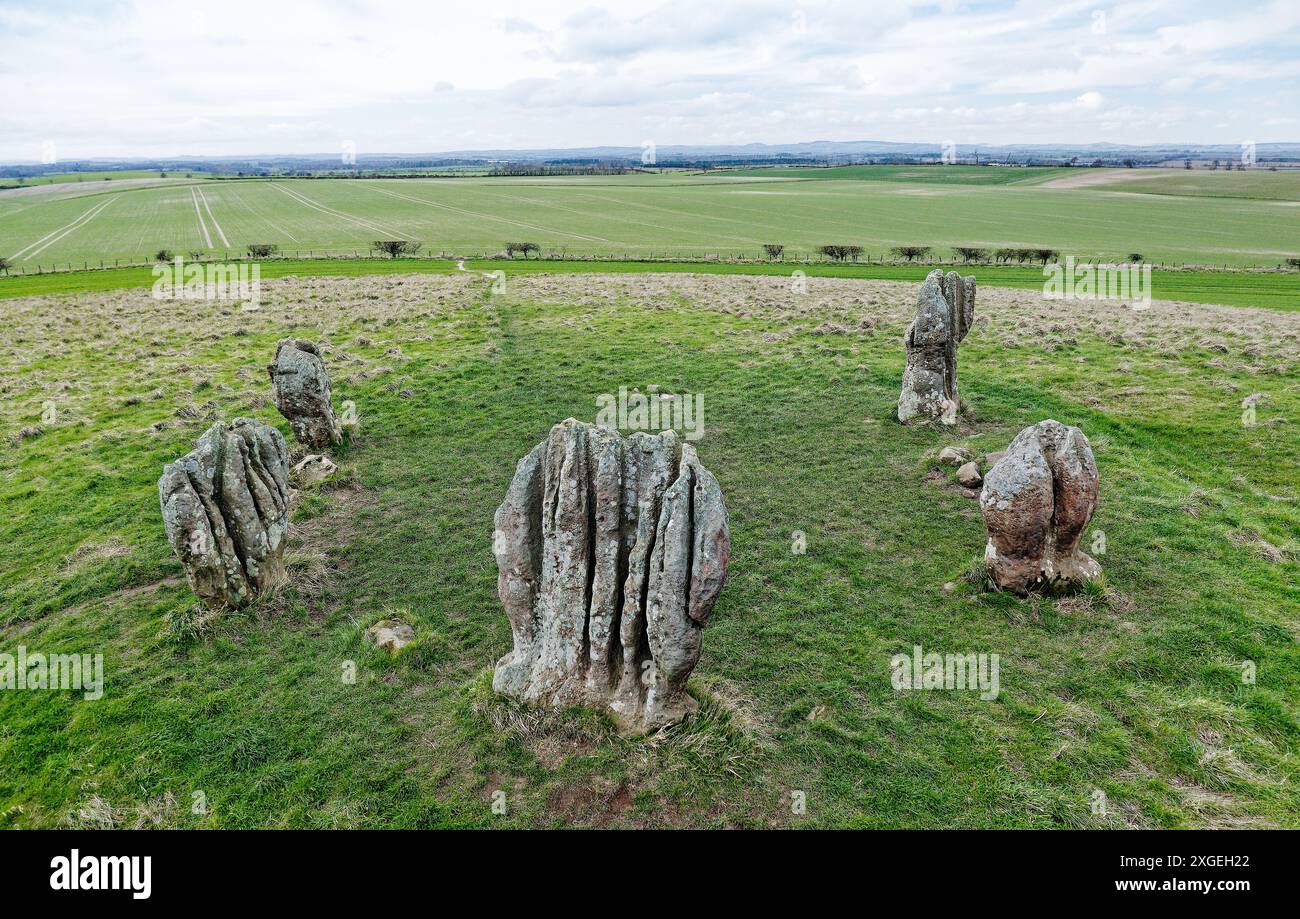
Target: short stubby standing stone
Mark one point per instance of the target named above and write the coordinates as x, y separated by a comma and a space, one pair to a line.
611, 554
225, 507
945, 309
1037, 501
302, 393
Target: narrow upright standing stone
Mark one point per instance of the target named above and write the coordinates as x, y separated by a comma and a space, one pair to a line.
302, 393
611, 553
945, 309
225, 508
1037, 501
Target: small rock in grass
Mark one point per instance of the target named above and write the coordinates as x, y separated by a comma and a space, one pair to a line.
969, 475
992, 459
390, 635
954, 456
313, 469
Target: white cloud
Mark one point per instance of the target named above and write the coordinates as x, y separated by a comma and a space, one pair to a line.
146, 78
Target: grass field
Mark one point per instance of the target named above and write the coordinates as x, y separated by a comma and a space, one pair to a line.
1271, 290
722, 214
1134, 690
938, 175
72, 178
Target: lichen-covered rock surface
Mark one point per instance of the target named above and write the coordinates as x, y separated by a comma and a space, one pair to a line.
225, 507
611, 554
1037, 501
302, 393
945, 309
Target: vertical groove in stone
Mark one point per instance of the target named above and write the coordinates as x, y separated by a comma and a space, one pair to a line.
1037, 501
225, 510
618, 517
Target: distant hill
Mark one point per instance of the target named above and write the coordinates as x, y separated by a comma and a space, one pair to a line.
820, 152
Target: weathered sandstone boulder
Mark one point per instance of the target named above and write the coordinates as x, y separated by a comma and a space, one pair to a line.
225, 507
945, 309
312, 469
390, 635
954, 456
1037, 501
612, 552
969, 475
302, 393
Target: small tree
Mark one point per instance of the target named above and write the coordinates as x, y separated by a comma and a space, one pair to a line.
841, 252
262, 250
911, 253
522, 249
971, 253
774, 251
1135, 256
1046, 255
163, 255
4, 266
395, 247
1293, 262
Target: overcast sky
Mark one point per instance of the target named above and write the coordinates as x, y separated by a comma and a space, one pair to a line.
150, 78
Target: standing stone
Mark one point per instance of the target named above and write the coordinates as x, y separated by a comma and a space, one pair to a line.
1037, 501
225, 507
612, 552
945, 309
302, 393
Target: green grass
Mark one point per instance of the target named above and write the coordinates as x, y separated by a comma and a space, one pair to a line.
1282, 186
1133, 690
939, 175
646, 215
65, 178
1271, 290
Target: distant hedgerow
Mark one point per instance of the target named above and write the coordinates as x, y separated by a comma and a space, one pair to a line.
841, 253
911, 253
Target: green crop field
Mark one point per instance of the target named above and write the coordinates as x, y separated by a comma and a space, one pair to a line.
941, 175
1136, 689
1227, 219
73, 178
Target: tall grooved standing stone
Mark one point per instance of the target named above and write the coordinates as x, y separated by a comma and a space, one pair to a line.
945, 309
1037, 500
302, 392
225, 506
612, 552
